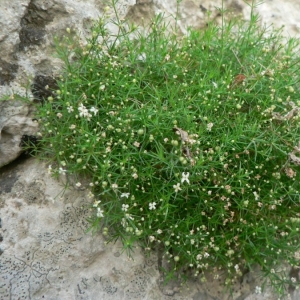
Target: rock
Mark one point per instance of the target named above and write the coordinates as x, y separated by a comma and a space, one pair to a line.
47, 253
16, 123
8, 71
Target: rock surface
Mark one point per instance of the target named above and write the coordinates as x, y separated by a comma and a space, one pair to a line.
45, 252
16, 125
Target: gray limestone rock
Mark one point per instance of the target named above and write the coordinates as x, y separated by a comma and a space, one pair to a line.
47, 253
16, 122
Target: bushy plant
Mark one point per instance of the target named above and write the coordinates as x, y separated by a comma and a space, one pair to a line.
190, 142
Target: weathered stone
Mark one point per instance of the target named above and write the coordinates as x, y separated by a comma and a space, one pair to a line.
46, 252
38, 14
7, 72
16, 120
10, 17
142, 12
31, 36
7, 182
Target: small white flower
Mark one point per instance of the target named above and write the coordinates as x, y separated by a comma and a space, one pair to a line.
72, 126
125, 207
96, 203
88, 116
125, 195
135, 176
83, 111
78, 184
49, 169
70, 109
256, 195
215, 84
91, 195
185, 177
152, 205
99, 212
177, 187
59, 115
62, 171
102, 87
136, 144
114, 186
199, 257
94, 110
167, 57
209, 126
142, 57
114, 64
128, 216
123, 222
206, 255
151, 238
159, 231
258, 290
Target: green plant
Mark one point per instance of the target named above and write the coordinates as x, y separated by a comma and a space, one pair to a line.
190, 142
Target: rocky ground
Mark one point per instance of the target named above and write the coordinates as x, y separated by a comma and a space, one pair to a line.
45, 252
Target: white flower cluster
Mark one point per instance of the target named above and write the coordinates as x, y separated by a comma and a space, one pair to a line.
184, 178
100, 212
209, 126
85, 113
